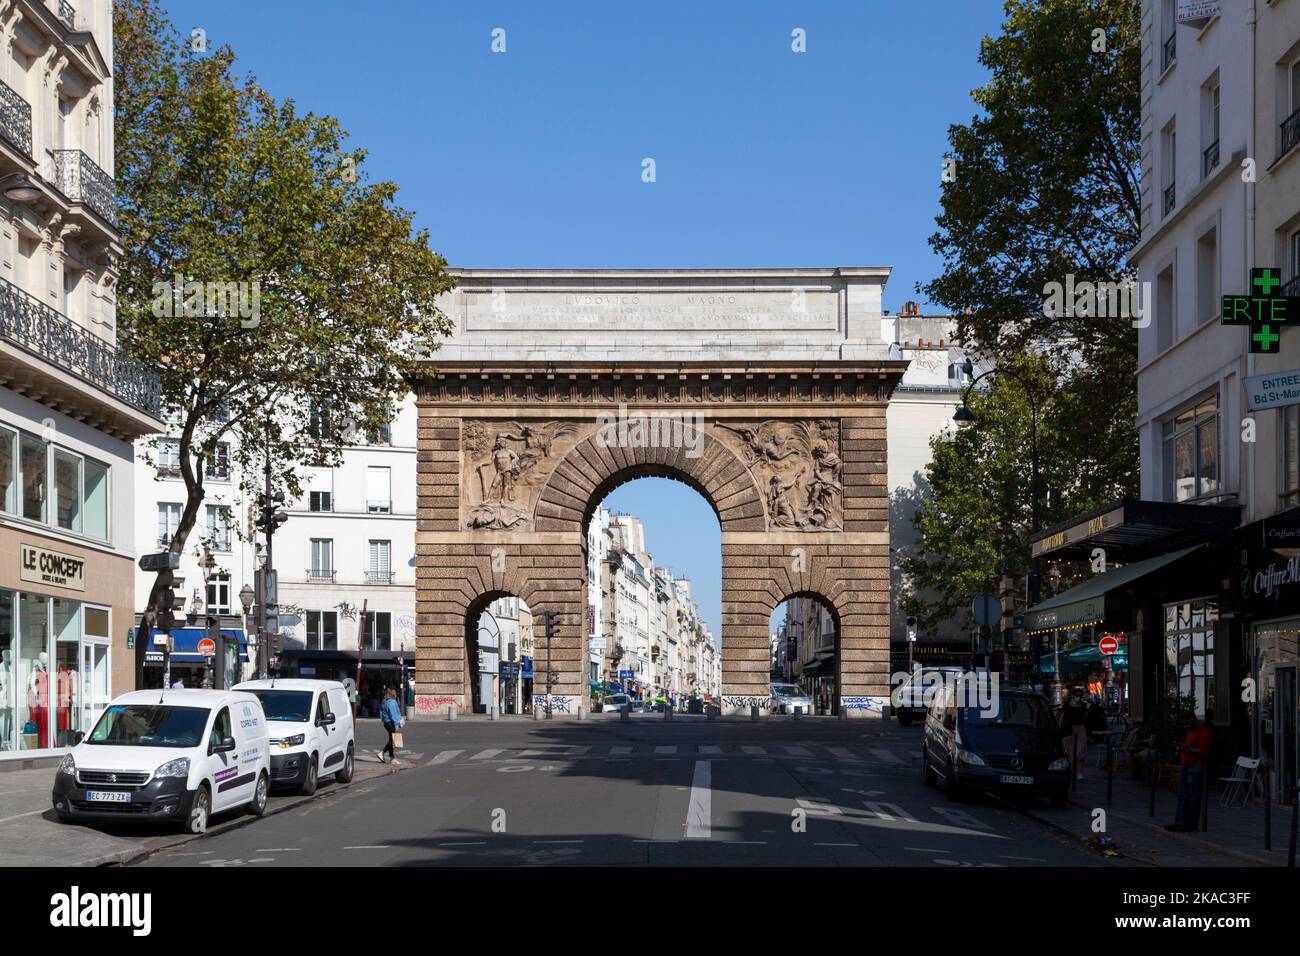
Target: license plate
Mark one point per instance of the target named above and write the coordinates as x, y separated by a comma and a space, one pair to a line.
107, 796
1010, 778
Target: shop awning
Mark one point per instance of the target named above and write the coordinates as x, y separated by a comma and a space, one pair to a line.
1086, 604
185, 644
1135, 529
1086, 657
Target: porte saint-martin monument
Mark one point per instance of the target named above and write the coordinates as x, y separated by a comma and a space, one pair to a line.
765, 390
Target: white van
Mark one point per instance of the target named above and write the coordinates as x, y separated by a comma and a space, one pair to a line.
310, 725
168, 755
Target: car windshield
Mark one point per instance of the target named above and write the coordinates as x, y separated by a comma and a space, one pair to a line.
293, 706
787, 690
1012, 711
150, 725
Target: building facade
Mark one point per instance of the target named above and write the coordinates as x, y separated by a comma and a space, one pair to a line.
71, 402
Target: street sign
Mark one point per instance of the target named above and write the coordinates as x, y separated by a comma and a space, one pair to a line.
163, 561
1108, 645
509, 670
626, 675
162, 640
986, 608
597, 643
290, 620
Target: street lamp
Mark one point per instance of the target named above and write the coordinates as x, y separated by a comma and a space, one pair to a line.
964, 416
19, 188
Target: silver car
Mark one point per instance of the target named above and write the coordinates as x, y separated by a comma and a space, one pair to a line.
786, 697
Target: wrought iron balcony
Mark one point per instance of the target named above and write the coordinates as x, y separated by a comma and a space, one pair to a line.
36, 328
1292, 288
320, 576
80, 179
379, 577
1169, 52
1169, 199
68, 14
1290, 133
1209, 158
15, 120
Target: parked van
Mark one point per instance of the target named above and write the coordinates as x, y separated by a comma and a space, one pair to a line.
168, 755
310, 725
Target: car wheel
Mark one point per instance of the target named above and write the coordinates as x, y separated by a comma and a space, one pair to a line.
927, 772
951, 789
308, 786
345, 775
200, 809
258, 805
905, 718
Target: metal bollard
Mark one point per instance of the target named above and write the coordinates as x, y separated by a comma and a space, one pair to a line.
451, 711
580, 712
798, 712
753, 711
708, 713
625, 712
668, 712
492, 711
844, 712
537, 711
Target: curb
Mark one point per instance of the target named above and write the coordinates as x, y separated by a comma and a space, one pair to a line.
1066, 831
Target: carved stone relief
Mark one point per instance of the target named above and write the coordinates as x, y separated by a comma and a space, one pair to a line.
797, 466
505, 466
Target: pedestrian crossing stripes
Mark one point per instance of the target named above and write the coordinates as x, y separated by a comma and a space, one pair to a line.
865, 758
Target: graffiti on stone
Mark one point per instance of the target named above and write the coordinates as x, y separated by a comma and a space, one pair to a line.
875, 704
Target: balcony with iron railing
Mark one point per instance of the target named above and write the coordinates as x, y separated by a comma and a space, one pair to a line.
15, 120
1291, 290
379, 577
1169, 52
39, 330
320, 576
79, 178
68, 14
1209, 158
1168, 199
1290, 133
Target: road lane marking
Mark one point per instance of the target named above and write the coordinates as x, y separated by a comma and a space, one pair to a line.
924, 849
838, 844
577, 751
278, 849
445, 757
699, 814
710, 749
473, 843
559, 841
881, 754
798, 751
620, 750
842, 753
667, 749
960, 818
752, 750
888, 811
486, 754
376, 846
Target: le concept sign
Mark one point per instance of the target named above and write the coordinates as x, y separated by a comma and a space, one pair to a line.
52, 568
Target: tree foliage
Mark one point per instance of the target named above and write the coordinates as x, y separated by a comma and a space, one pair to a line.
229, 198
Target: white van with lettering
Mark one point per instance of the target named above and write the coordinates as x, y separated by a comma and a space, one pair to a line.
168, 755
310, 725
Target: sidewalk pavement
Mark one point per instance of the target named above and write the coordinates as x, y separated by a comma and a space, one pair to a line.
1235, 836
31, 835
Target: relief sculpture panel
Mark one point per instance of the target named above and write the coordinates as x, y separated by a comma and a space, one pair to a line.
505, 465
797, 467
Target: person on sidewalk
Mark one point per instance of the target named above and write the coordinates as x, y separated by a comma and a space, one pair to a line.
1193, 754
1074, 733
391, 717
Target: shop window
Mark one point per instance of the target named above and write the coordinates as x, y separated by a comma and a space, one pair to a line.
1191, 452
94, 507
1189, 652
379, 631
8, 675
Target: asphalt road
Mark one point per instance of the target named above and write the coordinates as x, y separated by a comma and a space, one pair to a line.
645, 792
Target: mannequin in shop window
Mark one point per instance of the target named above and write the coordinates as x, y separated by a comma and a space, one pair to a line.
65, 686
38, 697
6, 701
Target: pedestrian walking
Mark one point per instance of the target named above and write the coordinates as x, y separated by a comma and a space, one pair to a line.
1193, 754
1074, 732
391, 717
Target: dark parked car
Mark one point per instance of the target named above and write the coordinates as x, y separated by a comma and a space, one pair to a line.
1009, 745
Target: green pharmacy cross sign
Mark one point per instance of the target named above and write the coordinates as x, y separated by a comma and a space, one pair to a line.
1263, 309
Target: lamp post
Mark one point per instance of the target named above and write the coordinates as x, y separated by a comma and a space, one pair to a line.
963, 417
1054, 582
246, 596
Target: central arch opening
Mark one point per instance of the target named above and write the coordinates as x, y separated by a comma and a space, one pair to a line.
654, 596
805, 656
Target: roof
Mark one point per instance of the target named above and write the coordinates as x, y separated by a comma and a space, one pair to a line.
184, 697
286, 683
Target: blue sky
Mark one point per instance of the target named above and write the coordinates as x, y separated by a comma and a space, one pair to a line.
533, 157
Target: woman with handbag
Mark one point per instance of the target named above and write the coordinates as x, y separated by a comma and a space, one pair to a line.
391, 717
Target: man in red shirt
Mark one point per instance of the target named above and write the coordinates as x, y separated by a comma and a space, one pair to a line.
1193, 755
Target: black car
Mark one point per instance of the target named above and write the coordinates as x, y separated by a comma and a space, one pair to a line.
1004, 742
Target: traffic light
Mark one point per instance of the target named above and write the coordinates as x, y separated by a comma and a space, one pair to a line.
276, 643
167, 600
269, 513
550, 626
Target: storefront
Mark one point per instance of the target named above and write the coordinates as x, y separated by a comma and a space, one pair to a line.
59, 666
198, 658
380, 670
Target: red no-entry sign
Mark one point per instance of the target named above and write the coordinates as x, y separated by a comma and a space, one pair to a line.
207, 647
1108, 645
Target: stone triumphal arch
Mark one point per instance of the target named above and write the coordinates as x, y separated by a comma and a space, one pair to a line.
763, 389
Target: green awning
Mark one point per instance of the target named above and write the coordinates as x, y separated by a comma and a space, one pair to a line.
1085, 657
1086, 603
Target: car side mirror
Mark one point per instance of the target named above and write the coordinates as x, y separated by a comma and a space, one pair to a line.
227, 744
327, 720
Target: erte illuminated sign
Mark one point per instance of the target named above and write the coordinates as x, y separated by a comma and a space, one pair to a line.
1263, 310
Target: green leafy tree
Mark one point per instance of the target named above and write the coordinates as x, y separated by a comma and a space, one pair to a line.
282, 297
